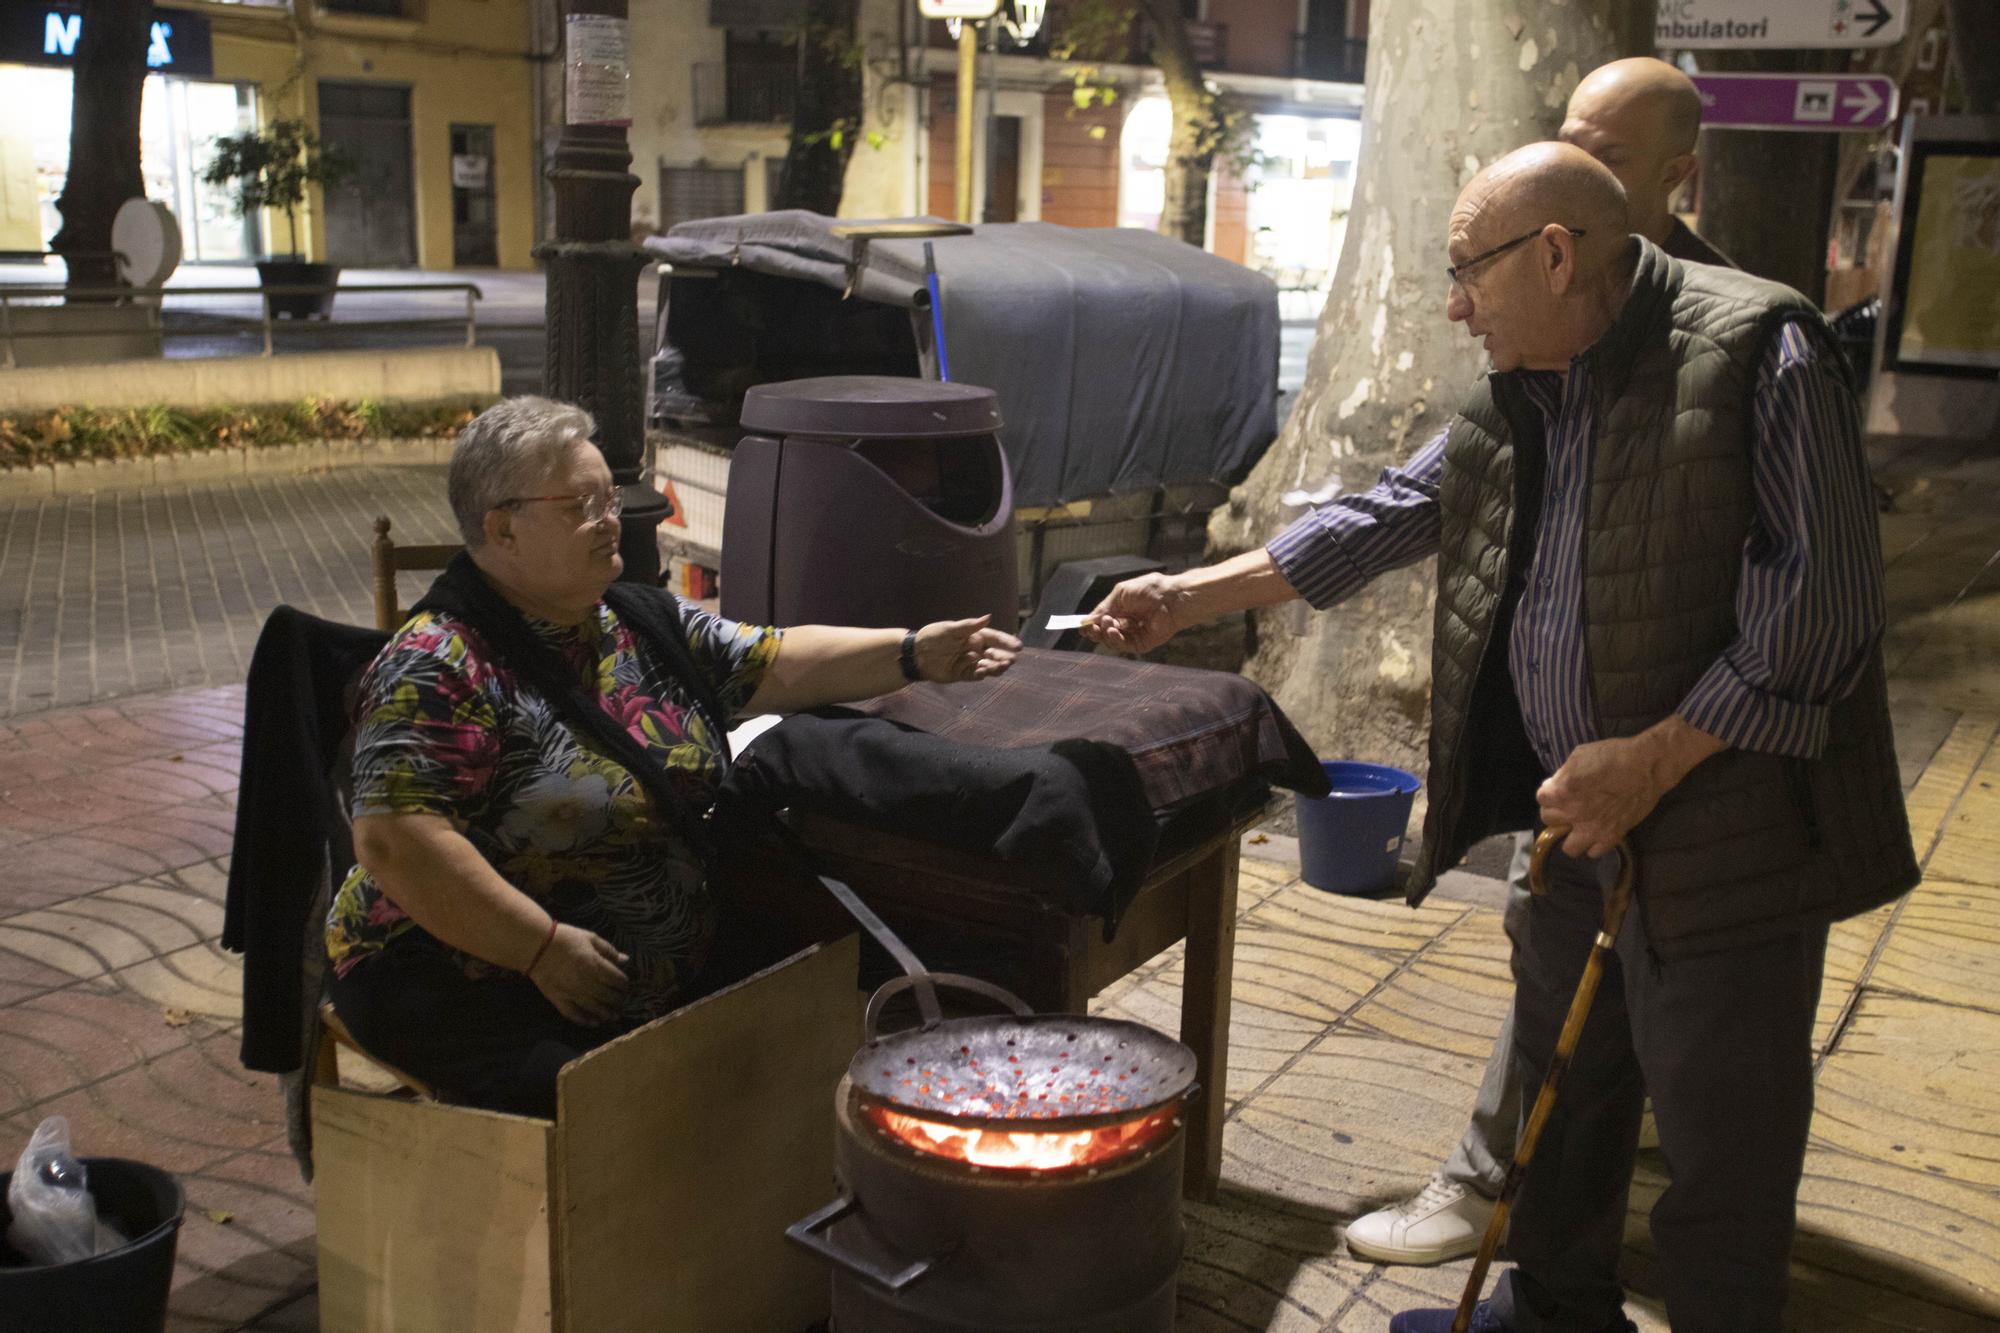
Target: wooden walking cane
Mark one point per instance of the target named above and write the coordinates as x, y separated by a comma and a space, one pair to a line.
1615, 903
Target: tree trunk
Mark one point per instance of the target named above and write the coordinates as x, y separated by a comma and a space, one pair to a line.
827, 117
1191, 145
1451, 85
1975, 50
107, 83
1745, 172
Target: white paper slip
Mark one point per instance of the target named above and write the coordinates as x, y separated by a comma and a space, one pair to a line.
1067, 622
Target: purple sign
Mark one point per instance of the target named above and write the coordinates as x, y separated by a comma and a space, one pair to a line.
1796, 101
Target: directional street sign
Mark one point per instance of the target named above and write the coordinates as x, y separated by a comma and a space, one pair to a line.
1683, 24
1796, 101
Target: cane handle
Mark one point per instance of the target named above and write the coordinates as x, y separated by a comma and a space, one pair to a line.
1551, 838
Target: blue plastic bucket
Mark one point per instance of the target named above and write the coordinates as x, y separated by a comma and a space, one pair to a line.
1349, 838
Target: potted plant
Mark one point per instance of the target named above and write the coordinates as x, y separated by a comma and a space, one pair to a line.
271, 168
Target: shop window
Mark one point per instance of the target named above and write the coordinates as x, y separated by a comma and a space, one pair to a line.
699, 191
179, 121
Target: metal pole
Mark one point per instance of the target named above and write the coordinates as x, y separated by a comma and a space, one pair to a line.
968, 86
992, 108
592, 320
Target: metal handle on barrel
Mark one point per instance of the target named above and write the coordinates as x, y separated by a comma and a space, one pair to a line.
807, 1232
1616, 901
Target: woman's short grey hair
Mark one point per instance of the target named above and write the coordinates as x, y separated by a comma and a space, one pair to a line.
504, 450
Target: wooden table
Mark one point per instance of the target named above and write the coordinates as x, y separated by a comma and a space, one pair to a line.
949, 905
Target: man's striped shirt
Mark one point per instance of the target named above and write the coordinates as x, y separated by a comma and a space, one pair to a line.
1808, 606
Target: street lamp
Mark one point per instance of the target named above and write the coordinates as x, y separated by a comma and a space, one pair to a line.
977, 11
1028, 16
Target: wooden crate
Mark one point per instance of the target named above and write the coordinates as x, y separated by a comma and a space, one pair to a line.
656, 1200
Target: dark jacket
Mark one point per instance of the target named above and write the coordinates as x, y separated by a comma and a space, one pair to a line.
288, 816
1749, 845
1685, 243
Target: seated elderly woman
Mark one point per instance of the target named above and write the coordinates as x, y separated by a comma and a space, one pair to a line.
537, 747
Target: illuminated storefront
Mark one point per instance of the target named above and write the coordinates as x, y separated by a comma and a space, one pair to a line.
1292, 202
184, 110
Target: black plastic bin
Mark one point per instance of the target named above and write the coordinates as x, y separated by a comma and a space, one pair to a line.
121, 1291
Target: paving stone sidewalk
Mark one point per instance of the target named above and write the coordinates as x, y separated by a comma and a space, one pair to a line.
124, 592
1360, 1027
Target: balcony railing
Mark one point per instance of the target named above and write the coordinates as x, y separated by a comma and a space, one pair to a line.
1339, 60
726, 94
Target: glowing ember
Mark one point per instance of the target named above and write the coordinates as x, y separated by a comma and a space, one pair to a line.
1022, 1150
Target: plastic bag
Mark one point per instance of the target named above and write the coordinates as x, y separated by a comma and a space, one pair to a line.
55, 1216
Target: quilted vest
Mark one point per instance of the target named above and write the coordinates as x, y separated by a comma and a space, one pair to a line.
1748, 846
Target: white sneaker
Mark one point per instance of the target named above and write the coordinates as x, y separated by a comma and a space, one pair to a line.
1441, 1222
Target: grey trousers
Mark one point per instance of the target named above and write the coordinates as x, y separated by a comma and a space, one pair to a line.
1723, 1043
1481, 1159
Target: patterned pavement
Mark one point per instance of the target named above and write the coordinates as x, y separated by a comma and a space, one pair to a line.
121, 592
1360, 1027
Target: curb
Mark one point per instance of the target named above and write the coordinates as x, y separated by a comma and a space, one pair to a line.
101, 474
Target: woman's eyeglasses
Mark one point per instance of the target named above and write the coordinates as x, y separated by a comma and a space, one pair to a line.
596, 508
1457, 272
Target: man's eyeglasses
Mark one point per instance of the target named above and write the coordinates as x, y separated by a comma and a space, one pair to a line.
596, 508
1457, 272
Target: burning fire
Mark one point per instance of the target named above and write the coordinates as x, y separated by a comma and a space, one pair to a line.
1022, 1150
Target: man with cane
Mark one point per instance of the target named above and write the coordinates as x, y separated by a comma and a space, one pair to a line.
1658, 619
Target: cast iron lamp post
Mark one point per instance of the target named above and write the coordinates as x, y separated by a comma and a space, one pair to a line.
591, 322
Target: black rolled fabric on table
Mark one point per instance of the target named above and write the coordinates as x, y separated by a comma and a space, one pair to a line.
1190, 732
1079, 765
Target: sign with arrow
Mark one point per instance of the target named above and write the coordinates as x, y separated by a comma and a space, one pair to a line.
1686, 24
1796, 101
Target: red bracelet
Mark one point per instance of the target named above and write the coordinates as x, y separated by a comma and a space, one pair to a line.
529, 970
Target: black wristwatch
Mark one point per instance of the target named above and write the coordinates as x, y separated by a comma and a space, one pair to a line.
907, 657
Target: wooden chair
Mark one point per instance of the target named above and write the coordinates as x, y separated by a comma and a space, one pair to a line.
333, 1035
387, 560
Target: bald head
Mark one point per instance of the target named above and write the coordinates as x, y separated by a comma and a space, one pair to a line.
1541, 256
1541, 184
1639, 117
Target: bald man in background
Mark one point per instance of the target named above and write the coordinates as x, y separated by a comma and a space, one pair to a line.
1639, 118
1658, 620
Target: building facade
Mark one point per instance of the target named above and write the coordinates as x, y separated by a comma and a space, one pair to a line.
711, 125
435, 101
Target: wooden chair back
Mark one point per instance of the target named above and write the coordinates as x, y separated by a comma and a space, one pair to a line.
388, 559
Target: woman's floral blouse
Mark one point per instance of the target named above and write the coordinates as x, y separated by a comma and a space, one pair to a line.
445, 729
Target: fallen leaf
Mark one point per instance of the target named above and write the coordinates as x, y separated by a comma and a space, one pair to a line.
176, 1018
220, 1216
177, 759
1257, 838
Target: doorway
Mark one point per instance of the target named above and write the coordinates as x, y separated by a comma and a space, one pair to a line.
1003, 171
371, 216
473, 241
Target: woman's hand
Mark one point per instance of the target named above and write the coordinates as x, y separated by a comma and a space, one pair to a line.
949, 650
581, 974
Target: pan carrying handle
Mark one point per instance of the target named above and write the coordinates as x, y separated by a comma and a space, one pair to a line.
915, 976
895, 986
808, 1232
